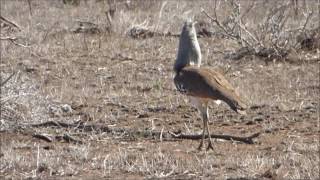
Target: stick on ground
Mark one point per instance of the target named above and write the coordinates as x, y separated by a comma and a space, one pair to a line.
165, 136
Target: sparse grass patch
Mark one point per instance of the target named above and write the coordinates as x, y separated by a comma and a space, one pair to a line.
123, 82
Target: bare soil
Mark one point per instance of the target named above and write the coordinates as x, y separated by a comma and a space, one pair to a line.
119, 82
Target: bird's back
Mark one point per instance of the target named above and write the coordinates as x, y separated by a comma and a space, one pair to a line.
208, 83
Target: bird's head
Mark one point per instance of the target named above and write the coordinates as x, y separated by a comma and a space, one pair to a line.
189, 29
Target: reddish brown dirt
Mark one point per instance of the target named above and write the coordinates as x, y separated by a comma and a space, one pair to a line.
121, 82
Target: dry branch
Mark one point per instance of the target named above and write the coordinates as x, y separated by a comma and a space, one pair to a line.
143, 31
44, 137
48, 31
13, 40
215, 20
51, 138
70, 139
78, 125
269, 39
8, 38
10, 23
146, 134
6, 80
247, 140
87, 27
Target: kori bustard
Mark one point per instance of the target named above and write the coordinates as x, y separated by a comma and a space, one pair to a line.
201, 84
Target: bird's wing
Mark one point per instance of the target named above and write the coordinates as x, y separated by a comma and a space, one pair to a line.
207, 83
201, 82
190, 82
217, 77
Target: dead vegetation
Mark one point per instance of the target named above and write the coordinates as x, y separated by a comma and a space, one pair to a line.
273, 36
111, 102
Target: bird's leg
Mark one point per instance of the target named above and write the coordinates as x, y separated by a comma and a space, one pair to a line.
198, 103
205, 117
202, 105
209, 137
203, 135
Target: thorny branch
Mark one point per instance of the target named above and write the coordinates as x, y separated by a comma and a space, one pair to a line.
270, 38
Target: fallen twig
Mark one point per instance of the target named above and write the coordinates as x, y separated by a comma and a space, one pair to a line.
10, 22
51, 123
247, 140
8, 38
6, 80
48, 31
78, 125
44, 137
70, 139
13, 40
49, 138
166, 136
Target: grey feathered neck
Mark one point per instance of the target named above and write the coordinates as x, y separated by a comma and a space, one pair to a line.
189, 50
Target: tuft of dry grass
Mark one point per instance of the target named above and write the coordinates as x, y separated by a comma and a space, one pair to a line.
110, 78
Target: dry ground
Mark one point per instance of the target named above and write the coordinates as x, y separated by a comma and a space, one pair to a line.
114, 80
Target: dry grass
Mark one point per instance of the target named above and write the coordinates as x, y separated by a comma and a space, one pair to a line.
112, 79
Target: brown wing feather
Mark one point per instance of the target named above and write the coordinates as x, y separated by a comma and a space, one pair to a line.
207, 83
219, 78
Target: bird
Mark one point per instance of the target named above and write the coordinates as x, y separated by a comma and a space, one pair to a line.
201, 84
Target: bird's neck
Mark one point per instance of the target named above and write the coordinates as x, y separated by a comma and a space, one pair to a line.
188, 55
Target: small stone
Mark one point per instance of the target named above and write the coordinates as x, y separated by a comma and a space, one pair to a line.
225, 124
55, 111
309, 106
66, 108
186, 116
312, 111
258, 118
250, 123
283, 107
145, 115
268, 131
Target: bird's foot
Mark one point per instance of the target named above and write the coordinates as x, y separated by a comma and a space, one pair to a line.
209, 145
200, 146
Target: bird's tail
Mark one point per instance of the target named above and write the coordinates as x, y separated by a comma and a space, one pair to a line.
235, 103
